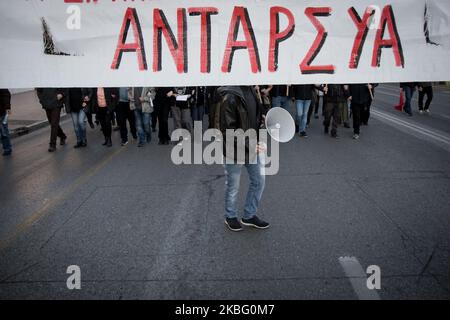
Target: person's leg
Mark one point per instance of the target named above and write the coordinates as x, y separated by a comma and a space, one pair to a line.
356, 109
255, 189
299, 107
328, 112
154, 117
421, 97
233, 178
304, 122
276, 102
176, 113
82, 119
343, 107
147, 119
132, 120
163, 119
121, 113
194, 113
336, 119
61, 133
408, 97
140, 126
6, 141
429, 92
186, 119
201, 113
76, 127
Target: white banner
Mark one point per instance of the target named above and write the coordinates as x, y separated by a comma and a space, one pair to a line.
89, 43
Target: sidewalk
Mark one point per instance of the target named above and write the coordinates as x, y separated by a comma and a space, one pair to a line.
27, 114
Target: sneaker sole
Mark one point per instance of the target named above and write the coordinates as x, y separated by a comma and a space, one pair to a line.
234, 230
254, 225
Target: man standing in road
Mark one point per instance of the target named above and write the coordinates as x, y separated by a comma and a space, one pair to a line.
5, 110
51, 100
239, 108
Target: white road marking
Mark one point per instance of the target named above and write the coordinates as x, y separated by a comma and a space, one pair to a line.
433, 134
358, 278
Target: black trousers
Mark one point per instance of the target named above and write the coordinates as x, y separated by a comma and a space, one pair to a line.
104, 116
428, 91
155, 117
357, 110
163, 120
365, 113
124, 113
53, 116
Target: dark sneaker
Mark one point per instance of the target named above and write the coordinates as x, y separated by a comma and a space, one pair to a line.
233, 224
84, 145
52, 149
303, 135
327, 130
63, 141
140, 145
124, 143
255, 222
334, 135
7, 153
78, 145
346, 125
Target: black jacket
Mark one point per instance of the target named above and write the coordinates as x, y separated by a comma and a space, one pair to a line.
279, 91
360, 93
68, 101
336, 93
48, 97
302, 92
233, 114
111, 102
5, 101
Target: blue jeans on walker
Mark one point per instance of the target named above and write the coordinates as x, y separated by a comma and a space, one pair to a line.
280, 102
143, 125
302, 113
255, 191
4, 133
79, 124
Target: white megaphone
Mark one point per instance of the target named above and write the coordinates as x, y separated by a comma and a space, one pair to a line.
280, 125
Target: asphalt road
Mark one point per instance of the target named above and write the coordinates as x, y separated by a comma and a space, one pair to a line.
140, 227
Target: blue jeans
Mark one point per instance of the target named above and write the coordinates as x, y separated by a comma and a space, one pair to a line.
255, 191
79, 120
4, 133
280, 102
409, 92
143, 125
198, 113
302, 113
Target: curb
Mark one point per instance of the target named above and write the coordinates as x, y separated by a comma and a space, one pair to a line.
22, 131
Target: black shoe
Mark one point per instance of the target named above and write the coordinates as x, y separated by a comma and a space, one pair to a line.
255, 222
334, 135
124, 143
105, 143
63, 141
346, 125
84, 145
327, 130
52, 149
109, 143
303, 134
7, 153
233, 224
78, 145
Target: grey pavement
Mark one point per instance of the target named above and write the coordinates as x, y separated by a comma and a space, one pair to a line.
140, 227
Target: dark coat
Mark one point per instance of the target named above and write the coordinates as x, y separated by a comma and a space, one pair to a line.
5, 101
48, 97
360, 93
233, 114
302, 92
111, 97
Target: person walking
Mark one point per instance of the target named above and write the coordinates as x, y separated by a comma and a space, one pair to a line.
76, 106
239, 108
141, 101
184, 99
124, 112
52, 101
303, 96
408, 88
360, 97
336, 96
425, 89
5, 111
163, 103
106, 100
